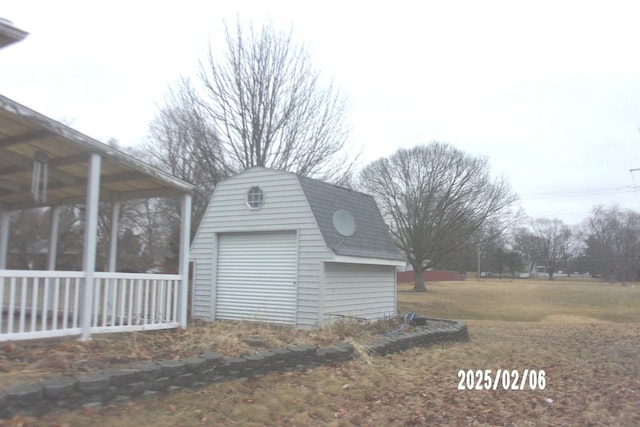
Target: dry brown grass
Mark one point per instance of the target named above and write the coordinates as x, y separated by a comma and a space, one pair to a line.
26, 361
524, 300
591, 363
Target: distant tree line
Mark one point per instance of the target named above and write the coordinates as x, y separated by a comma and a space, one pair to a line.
140, 242
606, 245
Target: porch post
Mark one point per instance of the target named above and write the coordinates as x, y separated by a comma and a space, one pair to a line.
113, 253
53, 238
4, 238
113, 248
53, 254
90, 242
185, 235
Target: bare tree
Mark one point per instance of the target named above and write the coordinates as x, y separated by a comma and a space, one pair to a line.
155, 222
70, 238
435, 198
30, 233
184, 143
552, 241
575, 249
613, 242
262, 103
139, 228
29, 238
269, 106
514, 263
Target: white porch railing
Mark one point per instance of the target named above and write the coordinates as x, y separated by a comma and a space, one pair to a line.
44, 304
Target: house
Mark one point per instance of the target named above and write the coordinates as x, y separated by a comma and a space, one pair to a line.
74, 169
46, 165
277, 247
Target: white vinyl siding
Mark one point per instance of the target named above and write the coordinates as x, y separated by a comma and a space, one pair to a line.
256, 277
358, 290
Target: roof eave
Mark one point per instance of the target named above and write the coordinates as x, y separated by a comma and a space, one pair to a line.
367, 260
10, 34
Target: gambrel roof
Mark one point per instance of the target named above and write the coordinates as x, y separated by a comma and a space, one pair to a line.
371, 238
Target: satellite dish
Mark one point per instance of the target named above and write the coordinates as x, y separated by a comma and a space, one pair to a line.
344, 223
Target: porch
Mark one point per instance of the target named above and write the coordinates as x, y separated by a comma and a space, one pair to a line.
46, 304
45, 164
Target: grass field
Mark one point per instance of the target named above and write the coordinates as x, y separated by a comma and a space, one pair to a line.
585, 336
524, 300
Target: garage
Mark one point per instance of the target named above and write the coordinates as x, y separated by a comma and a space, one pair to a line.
256, 276
282, 248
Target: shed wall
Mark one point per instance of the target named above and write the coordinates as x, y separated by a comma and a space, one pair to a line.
359, 290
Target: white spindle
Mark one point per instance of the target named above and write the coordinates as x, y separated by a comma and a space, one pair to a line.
23, 304
56, 304
12, 304
76, 302
154, 295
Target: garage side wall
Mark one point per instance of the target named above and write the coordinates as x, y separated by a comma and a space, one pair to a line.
285, 208
359, 290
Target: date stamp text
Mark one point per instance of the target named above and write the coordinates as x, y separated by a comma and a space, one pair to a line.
501, 379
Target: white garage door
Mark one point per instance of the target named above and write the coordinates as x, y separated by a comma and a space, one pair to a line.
256, 277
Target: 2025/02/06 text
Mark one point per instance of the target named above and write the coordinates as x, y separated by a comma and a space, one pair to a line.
501, 379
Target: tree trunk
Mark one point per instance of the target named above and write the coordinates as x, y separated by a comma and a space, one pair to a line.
419, 285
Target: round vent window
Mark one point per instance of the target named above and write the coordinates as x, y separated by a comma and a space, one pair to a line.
255, 197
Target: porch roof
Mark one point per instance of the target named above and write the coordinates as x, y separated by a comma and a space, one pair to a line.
24, 132
9, 33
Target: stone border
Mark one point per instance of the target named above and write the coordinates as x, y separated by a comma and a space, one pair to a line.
147, 380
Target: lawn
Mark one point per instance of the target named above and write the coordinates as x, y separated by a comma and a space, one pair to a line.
585, 336
525, 300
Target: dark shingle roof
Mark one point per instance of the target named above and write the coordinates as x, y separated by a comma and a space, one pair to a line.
371, 238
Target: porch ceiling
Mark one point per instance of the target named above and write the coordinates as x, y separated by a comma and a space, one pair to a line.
23, 132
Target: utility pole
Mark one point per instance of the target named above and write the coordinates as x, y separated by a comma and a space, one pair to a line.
631, 171
478, 250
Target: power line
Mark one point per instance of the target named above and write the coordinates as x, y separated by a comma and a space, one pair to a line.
580, 193
566, 213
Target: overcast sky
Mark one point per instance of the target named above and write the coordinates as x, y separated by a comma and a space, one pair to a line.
548, 91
